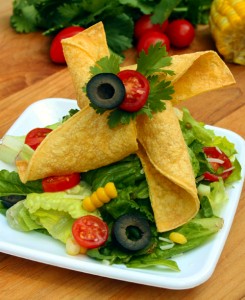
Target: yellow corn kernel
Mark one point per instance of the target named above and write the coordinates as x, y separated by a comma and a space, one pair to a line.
177, 238
72, 247
102, 195
88, 204
95, 200
111, 190
99, 197
83, 250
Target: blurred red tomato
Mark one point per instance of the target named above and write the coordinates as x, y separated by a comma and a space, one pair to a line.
181, 33
56, 51
143, 24
151, 38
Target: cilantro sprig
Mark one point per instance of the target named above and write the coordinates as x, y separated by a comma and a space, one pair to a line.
149, 65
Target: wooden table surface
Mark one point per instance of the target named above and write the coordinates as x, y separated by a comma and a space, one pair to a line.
27, 75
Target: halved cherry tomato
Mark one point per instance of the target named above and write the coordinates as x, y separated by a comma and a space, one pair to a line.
56, 51
90, 231
221, 160
181, 33
60, 183
137, 90
36, 136
144, 23
151, 38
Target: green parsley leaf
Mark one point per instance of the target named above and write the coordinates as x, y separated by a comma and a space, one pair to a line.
159, 90
118, 116
106, 65
25, 17
154, 61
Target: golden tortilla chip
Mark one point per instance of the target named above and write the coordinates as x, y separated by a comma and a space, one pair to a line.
168, 169
82, 143
196, 73
81, 52
172, 205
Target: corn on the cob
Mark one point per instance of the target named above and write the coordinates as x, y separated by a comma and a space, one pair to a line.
227, 26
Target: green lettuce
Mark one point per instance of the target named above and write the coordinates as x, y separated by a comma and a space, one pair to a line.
10, 184
54, 212
197, 136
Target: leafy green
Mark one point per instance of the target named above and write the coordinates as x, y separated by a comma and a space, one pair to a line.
118, 16
154, 61
10, 184
197, 136
106, 65
54, 212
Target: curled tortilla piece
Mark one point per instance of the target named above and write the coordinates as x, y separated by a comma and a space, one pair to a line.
81, 52
198, 72
195, 73
82, 143
168, 169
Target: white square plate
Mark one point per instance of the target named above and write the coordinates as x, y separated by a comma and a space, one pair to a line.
196, 266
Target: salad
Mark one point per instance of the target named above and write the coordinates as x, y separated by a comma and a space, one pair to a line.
28, 207
126, 178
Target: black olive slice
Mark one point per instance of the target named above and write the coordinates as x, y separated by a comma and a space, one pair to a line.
106, 90
132, 232
10, 200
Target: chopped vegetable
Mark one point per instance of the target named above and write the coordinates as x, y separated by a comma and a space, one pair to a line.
100, 197
72, 247
177, 238
105, 90
220, 163
137, 90
34, 138
90, 231
60, 183
132, 232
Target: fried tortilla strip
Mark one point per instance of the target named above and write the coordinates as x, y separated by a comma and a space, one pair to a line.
82, 143
198, 72
168, 169
195, 73
81, 52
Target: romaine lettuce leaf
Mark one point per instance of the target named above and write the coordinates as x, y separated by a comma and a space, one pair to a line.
10, 184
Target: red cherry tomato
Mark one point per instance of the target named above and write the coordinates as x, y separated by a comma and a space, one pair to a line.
144, 23
60, 183
36, 136
90, 231
151, 38
56, 51
137, 90
181, 33
218, 159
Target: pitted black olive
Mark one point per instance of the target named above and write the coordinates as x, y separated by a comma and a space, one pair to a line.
106, 90
10, 200
132, 232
